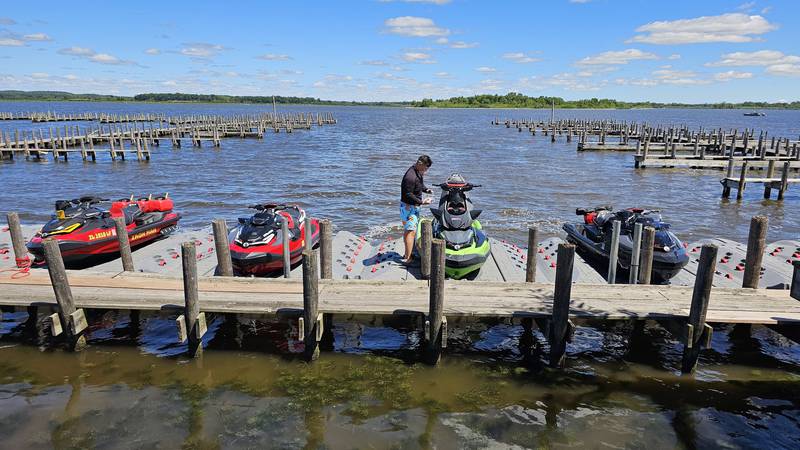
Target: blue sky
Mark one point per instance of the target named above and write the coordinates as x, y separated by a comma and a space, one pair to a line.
690, 51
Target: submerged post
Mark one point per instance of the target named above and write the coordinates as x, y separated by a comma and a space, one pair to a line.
312, 320
434, 339
325, 249
287, 262
222, 247
633, 275
696, 328
71, 320
560, 327
614, 252
530, 261
646, 263
17, 240
124, 244
756, 241
191, 309
425, 249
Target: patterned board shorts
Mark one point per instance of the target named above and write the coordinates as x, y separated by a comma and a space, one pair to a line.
409, 215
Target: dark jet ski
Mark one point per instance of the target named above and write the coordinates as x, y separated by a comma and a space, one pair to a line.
454, 221
257, 243
86, 234
593, 238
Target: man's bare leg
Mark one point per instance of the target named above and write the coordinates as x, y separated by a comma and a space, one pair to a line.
408, 239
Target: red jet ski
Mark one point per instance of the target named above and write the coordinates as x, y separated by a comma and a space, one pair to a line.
86, 234
257, 243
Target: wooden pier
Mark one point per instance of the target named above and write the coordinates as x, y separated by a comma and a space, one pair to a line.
61, 301
137, 137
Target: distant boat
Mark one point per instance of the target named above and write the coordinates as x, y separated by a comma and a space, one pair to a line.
754, 114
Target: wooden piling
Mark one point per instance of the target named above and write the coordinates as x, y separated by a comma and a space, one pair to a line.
795, 287
191, 311
425, 248
17, 240
222, 248
124, 244
287, 261
646, 263
697, 329
560, 326
433, 323
325, 249
312, 320
784, 180
614, 252
756, 241
742, 178
530, 260
770, 174
72, 320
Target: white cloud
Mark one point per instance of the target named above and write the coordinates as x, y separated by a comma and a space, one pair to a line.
153, 51
11, 42
485, 69
757, 58
462, 44
732, 27
616, 57
38, 37
7, 21
201, 50
785, 70
674, 56
274, 57
579, 1
443, 75
375, 62
414, 27
417, 57
732, 75
93, 56
520, 58
747, 6
40, 75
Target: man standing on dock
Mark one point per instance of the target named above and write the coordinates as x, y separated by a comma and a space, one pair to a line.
411, 190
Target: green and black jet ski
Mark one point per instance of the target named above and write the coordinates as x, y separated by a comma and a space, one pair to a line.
455, 222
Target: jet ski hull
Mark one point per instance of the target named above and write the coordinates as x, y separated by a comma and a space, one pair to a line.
666, 265
87, 247
267, 259
464, 261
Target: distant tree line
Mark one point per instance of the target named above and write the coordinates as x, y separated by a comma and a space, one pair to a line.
510, 100
517, 100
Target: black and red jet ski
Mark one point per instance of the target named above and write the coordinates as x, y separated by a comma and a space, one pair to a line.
86, 234
257, 243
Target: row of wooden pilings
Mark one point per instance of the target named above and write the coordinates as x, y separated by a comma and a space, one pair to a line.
70, 322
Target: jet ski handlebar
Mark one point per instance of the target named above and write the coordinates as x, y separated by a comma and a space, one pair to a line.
265, 206
91, 200
462, 187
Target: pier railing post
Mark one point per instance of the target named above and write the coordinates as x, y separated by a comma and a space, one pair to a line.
124, 244
287, 261
435, 337
756, 241
69, 319
308, 242
633, 275
312, 319
795, 288
530, 261
425, 249
560, 326
614, 252
193, 321
646, 263
222, 247
326, 249
697, 332
17, 240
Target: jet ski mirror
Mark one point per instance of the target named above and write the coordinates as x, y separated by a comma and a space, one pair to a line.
475, 213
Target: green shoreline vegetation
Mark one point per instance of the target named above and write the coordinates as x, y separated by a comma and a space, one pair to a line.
510, 100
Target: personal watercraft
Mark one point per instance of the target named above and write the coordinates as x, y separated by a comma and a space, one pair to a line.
256, 244
454, 221
86, 233
593, 238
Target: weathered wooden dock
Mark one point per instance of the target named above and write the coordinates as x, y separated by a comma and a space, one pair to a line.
312, 298
137, 138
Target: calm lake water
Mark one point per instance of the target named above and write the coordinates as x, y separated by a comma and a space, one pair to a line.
130, 389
